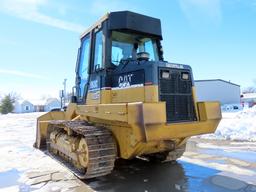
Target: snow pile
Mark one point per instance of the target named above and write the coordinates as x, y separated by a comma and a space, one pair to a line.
247, 113
239, 126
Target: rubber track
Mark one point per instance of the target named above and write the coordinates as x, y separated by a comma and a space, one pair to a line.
101, 148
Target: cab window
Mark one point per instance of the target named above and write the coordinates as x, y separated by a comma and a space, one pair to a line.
127, 45
98, 56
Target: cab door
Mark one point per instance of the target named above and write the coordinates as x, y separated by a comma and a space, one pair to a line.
83, 67
97, 69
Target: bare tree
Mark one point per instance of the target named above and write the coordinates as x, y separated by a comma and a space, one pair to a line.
14, 96
250, 89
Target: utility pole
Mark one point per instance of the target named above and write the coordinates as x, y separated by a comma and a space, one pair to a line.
64, 97
61, 94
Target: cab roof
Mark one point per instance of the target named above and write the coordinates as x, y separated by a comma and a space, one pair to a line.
129, 21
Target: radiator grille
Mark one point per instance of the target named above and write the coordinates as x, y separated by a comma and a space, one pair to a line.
177, 93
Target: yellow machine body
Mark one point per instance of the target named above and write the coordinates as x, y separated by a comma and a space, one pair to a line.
138, 127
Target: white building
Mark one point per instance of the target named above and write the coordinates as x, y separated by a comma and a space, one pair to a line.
23, 106
39, 105
218, 90
51, 104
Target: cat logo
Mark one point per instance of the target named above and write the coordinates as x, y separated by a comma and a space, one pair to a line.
125, 81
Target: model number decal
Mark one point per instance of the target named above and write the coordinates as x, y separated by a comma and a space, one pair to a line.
96, 95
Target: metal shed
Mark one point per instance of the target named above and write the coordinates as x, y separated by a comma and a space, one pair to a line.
218, 90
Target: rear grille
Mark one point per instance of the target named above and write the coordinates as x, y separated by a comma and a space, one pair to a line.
177, 93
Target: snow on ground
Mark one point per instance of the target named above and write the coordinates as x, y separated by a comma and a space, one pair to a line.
24, 168
17, 135
13, 123
240, 126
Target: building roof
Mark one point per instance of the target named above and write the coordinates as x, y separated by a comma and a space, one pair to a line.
50, 100
21, 101
39, 101
217, 80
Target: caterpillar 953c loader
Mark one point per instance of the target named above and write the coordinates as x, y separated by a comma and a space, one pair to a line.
127, 100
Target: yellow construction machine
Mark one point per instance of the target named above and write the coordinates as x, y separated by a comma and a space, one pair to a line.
127, 101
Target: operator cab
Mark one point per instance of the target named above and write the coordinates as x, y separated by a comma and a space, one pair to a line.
123, 51
117, 39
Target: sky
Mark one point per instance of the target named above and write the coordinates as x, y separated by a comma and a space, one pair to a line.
39, 39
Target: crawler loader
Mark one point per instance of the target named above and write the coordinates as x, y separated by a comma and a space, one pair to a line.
127, 101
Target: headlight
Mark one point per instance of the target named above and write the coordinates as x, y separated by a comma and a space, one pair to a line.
165, 74
185, 76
